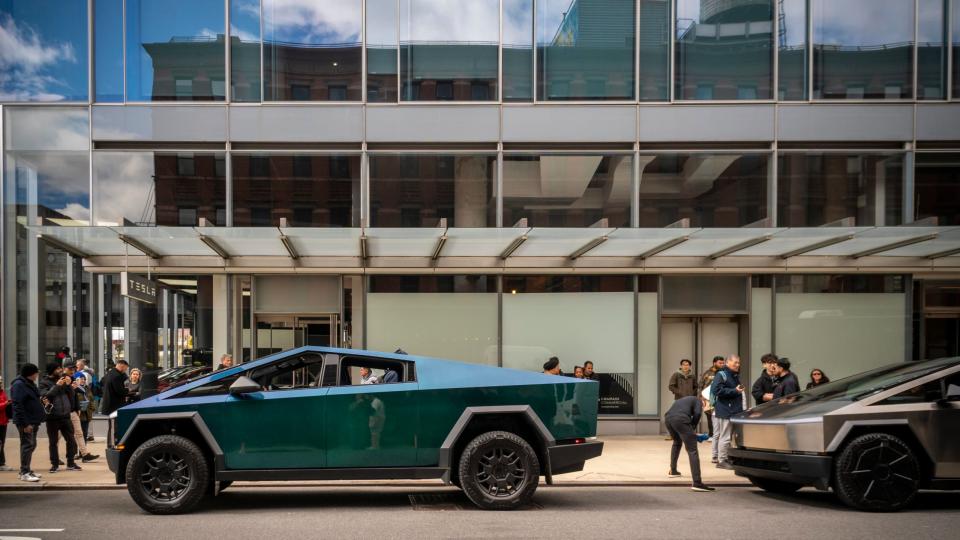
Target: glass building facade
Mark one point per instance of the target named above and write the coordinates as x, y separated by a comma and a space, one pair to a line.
629, 182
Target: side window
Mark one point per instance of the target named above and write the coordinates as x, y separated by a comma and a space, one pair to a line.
924, 393
361, 371
290, 373
215, 388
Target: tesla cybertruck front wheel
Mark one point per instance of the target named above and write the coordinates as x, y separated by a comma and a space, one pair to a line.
499, 470
774, 486
877, 472
167, 474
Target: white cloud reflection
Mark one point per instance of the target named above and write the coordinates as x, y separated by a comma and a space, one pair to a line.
24, 57
312, 21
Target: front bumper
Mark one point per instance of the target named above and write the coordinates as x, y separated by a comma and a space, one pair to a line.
565, 458
113, 462
802, 469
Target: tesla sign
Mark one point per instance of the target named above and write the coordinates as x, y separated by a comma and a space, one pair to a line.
138, 288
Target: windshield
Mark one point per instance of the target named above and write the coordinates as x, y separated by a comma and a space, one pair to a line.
870, 382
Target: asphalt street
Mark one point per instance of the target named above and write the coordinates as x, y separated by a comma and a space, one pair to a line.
259, 513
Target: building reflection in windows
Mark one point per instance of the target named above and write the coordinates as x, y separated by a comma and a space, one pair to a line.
142, 189
567, 190
308, 190
585, 49
449, 50
245, 50
937, 187
312, 51
419, 190
518, 50
175, 50
852, 59
709, 190
815, 189
931, 49
724, 49
108, 51
382, 51
792, 50
955, 33
654, 50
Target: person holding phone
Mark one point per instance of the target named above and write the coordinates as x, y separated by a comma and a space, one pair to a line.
728, 397
59, 402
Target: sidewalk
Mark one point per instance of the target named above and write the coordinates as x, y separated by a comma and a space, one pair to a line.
625, 461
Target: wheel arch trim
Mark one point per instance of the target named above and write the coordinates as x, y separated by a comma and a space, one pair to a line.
192, 416
848, 426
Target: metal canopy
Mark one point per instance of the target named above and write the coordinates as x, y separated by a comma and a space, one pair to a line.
622, 247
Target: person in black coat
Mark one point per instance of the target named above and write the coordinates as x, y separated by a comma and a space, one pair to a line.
787, 382
27, 416
681, 421
114, 390
60, 400
762, 390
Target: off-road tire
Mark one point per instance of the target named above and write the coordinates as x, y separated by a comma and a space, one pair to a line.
168, 474
499, 470
877, 472
775, 486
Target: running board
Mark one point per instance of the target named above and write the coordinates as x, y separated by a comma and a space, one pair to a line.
384, 473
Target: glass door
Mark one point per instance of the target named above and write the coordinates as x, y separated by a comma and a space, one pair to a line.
276, 333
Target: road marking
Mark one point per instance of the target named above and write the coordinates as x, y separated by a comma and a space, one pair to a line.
30, 530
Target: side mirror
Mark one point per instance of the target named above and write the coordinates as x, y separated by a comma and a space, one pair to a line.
244, 385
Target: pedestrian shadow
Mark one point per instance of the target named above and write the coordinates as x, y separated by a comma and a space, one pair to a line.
924, 501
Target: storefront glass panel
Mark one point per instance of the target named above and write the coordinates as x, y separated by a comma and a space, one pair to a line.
44, 55
449, 50
245, 50
175, 50
852, 59
819, 188
556, 190
312, 51
309, 190
420, 190
937, 188
724, 50
585, 50
144, 189
710, 190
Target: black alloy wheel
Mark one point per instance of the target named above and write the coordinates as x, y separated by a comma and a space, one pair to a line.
499, 470
877, 472
167, 474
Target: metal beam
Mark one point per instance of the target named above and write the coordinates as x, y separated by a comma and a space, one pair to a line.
436, 251
894, 245
63, 246
741, 246
945, 253
212, 244
583, 250
364, 252
137, 245
663, 247
288, 244
817, 245
842, 222
683, 223
517, 242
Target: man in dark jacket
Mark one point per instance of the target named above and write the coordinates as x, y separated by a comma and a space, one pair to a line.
683, 383
682, 420
57, 392
27, 416
728, 395
763, 387
114, 391
787, 382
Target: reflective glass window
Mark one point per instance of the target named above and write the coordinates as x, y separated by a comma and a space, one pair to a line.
108, 51
585, 49
654, 50
245, 50
449, 50
863, 49
792, 50
724, 50
567, 190
709, 190
819, 188
517, 50
175, 50
382, 51
937, 188
309, 190
143, 189
312, 51
931, 49
417, 190
955, 37
43, 50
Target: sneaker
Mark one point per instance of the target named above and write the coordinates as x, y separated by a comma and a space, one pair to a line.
74, 467
60, 463
89, 457
29, 477
673, 474
702, 488
714, 461
90, 438
54, 469
5, 468
35, 474
725, 465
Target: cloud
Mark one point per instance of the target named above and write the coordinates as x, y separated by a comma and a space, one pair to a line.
312, 21
124, 186
450, 20
24, 58
243, 34
858, 23
76, 211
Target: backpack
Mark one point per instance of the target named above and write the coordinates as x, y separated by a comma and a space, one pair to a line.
713, 397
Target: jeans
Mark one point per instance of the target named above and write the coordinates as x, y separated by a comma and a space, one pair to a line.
57, 426
28, 443
723, 430
715, 432
85, 428
682, 434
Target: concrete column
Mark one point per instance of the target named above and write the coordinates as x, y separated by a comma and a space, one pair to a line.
471, 197
221, 317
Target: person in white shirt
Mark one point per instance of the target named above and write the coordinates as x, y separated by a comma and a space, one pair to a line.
367, 376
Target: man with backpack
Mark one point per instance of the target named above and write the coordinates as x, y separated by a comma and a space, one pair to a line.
59, 401
27, 416
727, 393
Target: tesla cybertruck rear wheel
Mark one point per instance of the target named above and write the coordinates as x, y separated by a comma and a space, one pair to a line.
499, 471
877, 472
775, 486
167, 474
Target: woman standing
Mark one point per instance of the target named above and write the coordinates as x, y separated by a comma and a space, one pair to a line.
133, 385
817, 377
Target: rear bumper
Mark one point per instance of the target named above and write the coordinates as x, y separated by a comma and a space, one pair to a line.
565, 458
798, 468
